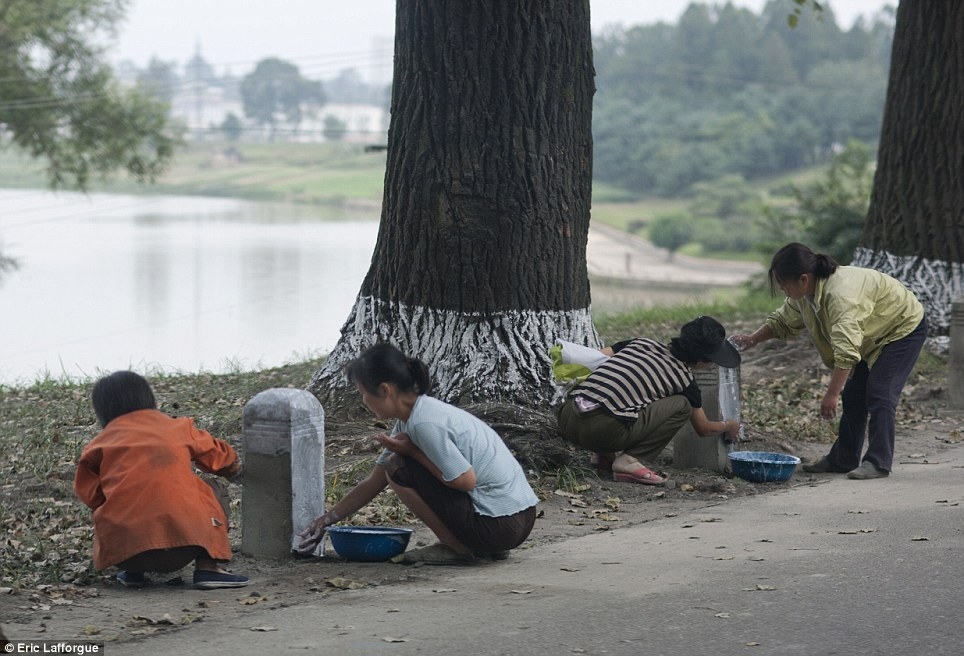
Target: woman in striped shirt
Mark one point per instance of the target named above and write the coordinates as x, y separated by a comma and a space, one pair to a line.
632, 404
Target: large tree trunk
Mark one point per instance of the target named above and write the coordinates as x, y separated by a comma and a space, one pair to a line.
915, 225
480, 261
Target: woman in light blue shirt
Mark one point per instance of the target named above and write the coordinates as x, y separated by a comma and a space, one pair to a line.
447, 466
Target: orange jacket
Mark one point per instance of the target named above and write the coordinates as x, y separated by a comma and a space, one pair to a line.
136, 476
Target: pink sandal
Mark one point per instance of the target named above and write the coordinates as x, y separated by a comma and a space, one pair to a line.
643, 475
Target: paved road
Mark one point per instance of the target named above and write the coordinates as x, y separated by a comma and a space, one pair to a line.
614, 254
837, 567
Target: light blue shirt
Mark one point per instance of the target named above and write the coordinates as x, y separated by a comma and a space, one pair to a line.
456, 441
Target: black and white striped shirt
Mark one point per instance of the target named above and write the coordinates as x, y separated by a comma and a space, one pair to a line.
641, 371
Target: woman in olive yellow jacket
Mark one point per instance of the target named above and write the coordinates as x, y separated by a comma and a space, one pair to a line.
869, 329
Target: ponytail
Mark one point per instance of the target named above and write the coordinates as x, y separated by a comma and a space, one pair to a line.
383, 363
794, 260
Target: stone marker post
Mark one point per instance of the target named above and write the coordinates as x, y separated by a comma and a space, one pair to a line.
284, 470
689, 449
955, 362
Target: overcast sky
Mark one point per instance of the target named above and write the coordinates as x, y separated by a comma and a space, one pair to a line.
324, 37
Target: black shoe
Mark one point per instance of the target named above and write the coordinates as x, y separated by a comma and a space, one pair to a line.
131, 579
207, 580
867, 471
824, 466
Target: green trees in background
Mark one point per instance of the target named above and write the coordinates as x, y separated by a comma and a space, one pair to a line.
828, 214
730, 92
159, 79
671, 231
275, 92
60, 103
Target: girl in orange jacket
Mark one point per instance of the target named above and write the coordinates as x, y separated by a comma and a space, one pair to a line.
151, 512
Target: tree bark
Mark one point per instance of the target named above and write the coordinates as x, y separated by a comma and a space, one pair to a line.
915, 224
480, 261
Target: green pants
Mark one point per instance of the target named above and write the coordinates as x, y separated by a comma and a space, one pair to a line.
644, 439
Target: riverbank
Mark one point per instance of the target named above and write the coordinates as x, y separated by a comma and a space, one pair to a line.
49, 591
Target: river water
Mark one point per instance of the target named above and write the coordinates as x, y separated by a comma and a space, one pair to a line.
169, 283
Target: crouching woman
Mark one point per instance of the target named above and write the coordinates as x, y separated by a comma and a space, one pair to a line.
151, 512
447, 466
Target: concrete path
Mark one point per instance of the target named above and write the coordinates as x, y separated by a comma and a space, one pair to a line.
833, 567
617, 255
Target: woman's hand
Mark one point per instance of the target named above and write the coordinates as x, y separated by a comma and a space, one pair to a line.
828, 406
744, 342
399, 443
732, 430
311, 536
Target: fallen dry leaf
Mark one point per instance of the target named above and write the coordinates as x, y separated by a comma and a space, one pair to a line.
444, 590
263, 628
521, 591
606, 517
344, 584
391, 639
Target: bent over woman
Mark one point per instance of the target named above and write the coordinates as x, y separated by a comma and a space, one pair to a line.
869, 329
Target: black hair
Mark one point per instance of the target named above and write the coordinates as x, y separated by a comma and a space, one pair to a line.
383, 363
681, 352
119, 393
794, 260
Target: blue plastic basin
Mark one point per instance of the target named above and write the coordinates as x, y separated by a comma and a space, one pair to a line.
368, 543
762, 466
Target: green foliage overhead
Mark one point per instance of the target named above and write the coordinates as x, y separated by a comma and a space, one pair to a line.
727, 91
60, 103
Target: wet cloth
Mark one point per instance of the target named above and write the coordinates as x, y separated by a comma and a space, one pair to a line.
137, 477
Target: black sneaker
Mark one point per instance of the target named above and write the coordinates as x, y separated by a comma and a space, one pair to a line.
867, 471
131, 579
207, 580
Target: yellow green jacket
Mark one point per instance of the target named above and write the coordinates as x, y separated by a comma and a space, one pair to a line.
852, 316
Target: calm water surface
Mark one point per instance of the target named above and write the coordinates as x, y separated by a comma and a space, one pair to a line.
172, 283
190, 284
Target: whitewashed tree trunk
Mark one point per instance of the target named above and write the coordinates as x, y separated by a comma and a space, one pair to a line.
915, 225
480, 261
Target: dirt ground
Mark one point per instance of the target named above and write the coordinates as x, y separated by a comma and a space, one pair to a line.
575, 503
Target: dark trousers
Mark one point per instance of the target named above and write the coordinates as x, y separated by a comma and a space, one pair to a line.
873, 393
481, 533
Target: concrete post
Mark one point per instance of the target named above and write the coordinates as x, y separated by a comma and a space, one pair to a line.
689, 449
284, 470
955, 363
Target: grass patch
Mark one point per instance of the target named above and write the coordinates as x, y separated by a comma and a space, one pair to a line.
663, 322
